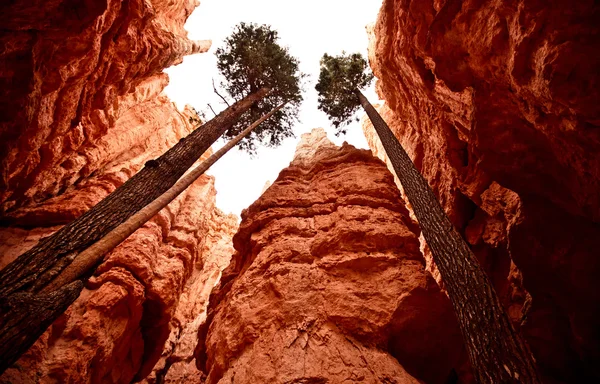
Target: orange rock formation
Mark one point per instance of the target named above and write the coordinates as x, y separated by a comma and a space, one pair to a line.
69, 73
82, 111
495, 103
327, 283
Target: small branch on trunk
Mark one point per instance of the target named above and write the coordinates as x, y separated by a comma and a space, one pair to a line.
211, 108
218, 94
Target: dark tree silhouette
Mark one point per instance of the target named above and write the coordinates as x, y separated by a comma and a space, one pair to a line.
497, 352
250, 59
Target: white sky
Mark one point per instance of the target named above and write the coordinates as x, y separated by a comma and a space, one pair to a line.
309, 28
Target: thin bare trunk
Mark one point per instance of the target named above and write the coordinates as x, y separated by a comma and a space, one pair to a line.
89, 258
497, 352
25, 277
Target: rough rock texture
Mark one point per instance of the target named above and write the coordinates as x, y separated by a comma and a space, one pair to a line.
327, 283
176, 364
150, 291
496, 103
69, 70
82, 110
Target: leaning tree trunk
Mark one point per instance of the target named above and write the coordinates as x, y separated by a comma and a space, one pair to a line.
88, 259
23, 279
497, 353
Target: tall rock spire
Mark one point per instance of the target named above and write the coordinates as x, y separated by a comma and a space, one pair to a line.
327, 283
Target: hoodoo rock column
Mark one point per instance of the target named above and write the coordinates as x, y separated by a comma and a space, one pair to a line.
327, 283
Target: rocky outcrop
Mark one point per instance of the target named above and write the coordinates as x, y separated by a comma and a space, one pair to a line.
69, 72
81, 111
144, 303
494, 102
327, 283
176, 364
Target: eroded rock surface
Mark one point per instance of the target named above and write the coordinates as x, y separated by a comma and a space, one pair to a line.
494, 102
327, 283
69, 72
143, 305
81, 111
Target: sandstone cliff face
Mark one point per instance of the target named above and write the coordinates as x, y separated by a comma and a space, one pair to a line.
327, 283
176, 364
494, 102
150, 291
69, 71
81, 111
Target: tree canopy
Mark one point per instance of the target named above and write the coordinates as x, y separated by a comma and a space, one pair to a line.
250, 59
340, 76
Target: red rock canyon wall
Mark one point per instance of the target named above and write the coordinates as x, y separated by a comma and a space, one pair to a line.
496, 103
82, 110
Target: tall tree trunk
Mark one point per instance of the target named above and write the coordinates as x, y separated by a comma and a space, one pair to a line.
23, 279
86, 260
496, 351
25, 316
37, 267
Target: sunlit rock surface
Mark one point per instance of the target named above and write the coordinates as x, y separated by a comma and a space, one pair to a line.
496, 103
327, 283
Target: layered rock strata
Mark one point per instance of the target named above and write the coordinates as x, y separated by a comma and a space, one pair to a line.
81, 111
327, 283
494, 102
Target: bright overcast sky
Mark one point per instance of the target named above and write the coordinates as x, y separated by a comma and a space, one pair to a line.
308, 28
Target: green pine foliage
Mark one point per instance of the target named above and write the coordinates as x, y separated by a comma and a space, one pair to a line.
340, 76
251, 59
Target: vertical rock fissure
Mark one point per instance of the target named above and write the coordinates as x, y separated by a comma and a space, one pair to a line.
497, 353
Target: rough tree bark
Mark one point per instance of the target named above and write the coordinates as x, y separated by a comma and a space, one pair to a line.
88, 259
497, 352
27, 313
22, 280
37, 267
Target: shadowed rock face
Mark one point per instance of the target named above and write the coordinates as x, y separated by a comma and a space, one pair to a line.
496, 103
327, 283
71, 70
81, 111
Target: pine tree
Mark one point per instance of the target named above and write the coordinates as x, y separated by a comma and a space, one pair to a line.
30, 300
250, 59
338, 78
497, 352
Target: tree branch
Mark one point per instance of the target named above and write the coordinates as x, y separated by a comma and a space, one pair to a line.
211, 108
218, 94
